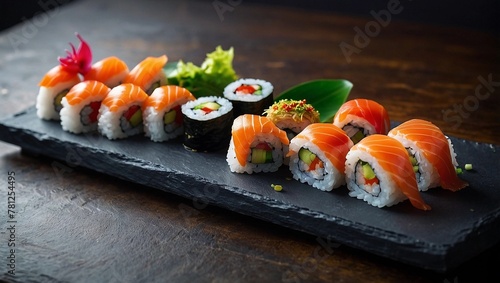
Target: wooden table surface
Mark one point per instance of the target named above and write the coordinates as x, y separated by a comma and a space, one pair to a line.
89, 227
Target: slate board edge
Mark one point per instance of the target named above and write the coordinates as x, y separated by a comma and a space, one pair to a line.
440, 258
243, 202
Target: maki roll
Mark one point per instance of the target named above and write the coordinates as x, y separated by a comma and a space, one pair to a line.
53, 87
162, 112
111, 71
120, 115
292, 116
148, 74
379, 172
207, 123
317, 156
362, 117
81, 106
431, 153
249, 96
255, 145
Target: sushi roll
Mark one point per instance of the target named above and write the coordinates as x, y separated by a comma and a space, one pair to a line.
120, 115
256, 145
379, 172
431, 153
111, 71
148, 74
81, 106
362, 117
317, 156
292, 116
162, 112
53, 87
249, 96
207, 123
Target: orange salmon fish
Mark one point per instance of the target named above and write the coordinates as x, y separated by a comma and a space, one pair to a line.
58, 75
392, 157
330, 139
148, 74
110, 71
166, 95
435, 147
244, 129
369, 110
123, 95
85, 90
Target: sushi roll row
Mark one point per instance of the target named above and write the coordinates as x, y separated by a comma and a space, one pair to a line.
260, 142
386, 166
125, 110
380, 166
414, 157
110, 71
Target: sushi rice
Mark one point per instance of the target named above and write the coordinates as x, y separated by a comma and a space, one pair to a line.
426, 176
164, 102
112, 122
249, 96
53, 87
249, 167
256, 145
385, 193
81, 106
265, 87
323, 178
200, 115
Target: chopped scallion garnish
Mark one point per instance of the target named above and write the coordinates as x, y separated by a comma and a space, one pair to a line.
277, 188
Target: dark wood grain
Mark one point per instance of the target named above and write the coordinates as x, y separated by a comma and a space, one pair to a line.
79, 226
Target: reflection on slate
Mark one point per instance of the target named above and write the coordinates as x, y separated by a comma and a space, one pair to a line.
460, 225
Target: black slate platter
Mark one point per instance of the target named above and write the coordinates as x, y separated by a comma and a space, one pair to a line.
460, 225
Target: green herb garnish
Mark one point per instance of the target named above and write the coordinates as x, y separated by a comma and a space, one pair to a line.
209, 79
325, 95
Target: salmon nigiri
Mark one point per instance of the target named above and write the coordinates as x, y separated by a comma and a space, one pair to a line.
431, 153
317, 156
148, 74
120, 115
111, 71
162, 112
53, 87
362, 117
379, 171
81, 106
256, 145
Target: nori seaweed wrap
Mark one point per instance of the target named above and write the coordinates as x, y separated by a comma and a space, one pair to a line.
249, 96
207, 123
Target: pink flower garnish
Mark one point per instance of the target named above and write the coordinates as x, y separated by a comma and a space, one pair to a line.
77, 61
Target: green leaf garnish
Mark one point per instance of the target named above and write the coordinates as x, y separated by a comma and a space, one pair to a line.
209, 79
325, 95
